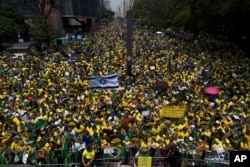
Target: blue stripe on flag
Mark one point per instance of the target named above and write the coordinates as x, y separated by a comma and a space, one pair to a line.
106, 77
103, 82
110, 87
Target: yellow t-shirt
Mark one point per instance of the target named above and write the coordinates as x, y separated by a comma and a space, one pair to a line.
182, 135
144, 145
206, 133
88, 154
127, 143
155, 131
15, 147
244, 145
90, 130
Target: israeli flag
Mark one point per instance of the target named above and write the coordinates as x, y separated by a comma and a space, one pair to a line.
104, 82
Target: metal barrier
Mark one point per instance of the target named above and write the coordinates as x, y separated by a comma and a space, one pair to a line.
109, 157
43, 165
193, 162
109, 162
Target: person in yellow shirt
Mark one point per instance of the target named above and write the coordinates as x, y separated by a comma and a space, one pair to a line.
89, 128
217, 126
145, 146
105, 143
183, 133
228, 121
206, 132
107, 128
217, 146
88, 157
15, 146
46, 147
155, 130
201, 147
245, 144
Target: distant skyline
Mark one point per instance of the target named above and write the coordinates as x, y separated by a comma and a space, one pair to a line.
114, 4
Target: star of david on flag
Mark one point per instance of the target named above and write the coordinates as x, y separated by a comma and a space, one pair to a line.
104, 82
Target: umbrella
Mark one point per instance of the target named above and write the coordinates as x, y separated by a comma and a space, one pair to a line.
115, 140
159, 32
72, 124
161, 84
211, 90
149, 124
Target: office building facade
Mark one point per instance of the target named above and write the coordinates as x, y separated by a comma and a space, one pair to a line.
70, 14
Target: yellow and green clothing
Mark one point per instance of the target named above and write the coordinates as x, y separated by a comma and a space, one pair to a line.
88, 154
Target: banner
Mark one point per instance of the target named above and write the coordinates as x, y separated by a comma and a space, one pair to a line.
173, 111
215, 159
144, 161
104, 82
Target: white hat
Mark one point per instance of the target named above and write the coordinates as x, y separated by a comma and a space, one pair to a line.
192, 126
217, 122
190, 138
179, 140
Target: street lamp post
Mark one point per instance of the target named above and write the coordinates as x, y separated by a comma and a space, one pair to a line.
19, 37
20, 40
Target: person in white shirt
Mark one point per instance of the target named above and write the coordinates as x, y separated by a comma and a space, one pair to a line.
76, 147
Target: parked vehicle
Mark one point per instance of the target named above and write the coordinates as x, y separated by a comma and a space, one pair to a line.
21, 50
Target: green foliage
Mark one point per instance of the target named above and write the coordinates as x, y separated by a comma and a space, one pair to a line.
41, 30
41, 9
182, 18
226, 17
105, 13
11, 22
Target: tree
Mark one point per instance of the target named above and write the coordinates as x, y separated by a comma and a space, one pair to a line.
41, 30
158, 13
10, 22
226, 17
105, 13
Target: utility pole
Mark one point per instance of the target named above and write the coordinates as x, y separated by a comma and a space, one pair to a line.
129, 44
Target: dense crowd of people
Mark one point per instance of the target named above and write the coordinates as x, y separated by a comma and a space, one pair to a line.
47, 107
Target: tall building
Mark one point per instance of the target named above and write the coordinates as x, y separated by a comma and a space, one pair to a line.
71, 14
75, 13
126, 5
107, 4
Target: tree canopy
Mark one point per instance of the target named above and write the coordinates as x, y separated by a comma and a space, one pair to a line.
11, 22
40, 29
105, 13
225, 17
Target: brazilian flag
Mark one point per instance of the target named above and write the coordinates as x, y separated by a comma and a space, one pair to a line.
117, 153
72, 157
2, 159
65, 147
6, 156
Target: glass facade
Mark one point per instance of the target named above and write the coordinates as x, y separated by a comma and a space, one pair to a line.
74, 8
86, 8
67, 7
23, 9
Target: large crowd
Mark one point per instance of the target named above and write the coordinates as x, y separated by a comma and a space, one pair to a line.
47, 105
